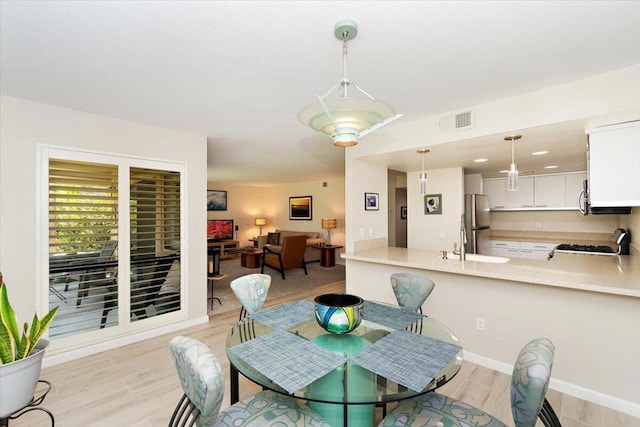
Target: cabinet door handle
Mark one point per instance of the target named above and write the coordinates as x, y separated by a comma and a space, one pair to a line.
499, 206
527, 206
541, 206
501, 244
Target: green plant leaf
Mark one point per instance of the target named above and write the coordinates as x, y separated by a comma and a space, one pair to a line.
8, 320
23, 346
7, 351
41, 326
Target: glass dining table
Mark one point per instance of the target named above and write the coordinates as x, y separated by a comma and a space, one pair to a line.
394, 354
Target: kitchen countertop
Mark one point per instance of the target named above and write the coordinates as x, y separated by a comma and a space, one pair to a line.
611, 274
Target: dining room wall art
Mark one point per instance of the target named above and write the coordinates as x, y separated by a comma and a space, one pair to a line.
433, 204
403, 212
371, 201
301, 208
216, 200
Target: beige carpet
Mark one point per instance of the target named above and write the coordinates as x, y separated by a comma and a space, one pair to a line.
295, 280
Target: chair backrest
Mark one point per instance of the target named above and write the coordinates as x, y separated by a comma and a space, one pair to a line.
293, 248
411, 290
251, 290
201, 378
107, 250
530, 380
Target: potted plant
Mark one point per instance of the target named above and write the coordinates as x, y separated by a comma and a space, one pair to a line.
21, 352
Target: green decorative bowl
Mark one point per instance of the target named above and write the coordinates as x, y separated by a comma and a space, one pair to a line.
338, 313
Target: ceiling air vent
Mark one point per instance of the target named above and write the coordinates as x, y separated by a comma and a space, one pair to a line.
461, 120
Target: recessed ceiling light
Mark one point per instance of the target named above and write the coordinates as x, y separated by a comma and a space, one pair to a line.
551, 167
539, 153
481, 160
504, 171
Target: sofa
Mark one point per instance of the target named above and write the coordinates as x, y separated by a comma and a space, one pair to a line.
313, 239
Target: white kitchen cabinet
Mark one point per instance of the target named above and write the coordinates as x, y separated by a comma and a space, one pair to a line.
536, 250
523, 198
495, 189
574, 185
550, 191
504, 248
614, 165
537, 192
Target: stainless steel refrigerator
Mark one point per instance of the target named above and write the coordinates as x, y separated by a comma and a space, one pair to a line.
477, 220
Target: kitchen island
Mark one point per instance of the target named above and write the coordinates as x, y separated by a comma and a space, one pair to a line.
588, 305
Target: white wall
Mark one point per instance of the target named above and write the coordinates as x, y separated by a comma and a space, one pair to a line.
436, 232
24, 125
365, 229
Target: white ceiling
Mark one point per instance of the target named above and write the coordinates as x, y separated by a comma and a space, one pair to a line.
239, 71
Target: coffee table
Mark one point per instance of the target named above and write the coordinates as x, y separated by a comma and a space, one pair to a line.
251, 259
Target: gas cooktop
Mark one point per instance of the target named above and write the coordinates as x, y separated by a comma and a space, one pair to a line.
594, 249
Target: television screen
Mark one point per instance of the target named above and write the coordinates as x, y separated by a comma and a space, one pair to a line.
220, 229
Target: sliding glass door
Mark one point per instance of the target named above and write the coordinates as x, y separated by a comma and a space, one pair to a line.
99, 263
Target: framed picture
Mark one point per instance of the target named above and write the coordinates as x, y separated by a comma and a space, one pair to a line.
371, 202
433, 204
216, 200
300, 207
403, 212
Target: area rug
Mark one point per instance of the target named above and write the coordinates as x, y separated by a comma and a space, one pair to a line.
295, 281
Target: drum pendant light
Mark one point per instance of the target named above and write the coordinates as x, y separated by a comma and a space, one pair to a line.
346, 118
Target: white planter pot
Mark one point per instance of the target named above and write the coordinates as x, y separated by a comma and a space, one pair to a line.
18, 380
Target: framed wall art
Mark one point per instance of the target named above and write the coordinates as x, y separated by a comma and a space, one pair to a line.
371, 201
403, 212
433, 204
300, 207
216, 200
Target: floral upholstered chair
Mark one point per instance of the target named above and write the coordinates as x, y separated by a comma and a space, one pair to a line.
411, 290
529, 383
252, 291
203, 384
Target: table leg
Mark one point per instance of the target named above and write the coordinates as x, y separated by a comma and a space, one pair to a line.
235, 384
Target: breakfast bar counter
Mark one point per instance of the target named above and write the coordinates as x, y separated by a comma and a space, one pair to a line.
609, 274
588, 305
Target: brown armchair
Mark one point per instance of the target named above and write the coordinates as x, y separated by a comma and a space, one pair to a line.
291, 255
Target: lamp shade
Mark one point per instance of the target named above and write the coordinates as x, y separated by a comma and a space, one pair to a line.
329, 223
260, 222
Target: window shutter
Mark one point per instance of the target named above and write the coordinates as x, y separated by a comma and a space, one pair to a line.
83, 238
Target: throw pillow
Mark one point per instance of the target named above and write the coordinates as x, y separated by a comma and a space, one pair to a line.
273, 239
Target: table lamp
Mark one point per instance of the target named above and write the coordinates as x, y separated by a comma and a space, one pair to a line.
260, 222
328, 224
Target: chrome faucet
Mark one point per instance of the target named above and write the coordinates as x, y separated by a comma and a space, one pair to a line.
463, 241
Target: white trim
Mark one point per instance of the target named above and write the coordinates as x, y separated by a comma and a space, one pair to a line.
596, 397
119, 342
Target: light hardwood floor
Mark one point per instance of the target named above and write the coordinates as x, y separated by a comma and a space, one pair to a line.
136, 385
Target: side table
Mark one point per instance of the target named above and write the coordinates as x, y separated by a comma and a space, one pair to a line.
251, 259
34, 405
328, 255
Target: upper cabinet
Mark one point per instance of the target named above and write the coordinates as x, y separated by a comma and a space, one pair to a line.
523, 197
538, 192
614, 165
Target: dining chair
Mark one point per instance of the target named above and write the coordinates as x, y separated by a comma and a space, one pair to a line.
252, 291
411, 290
100, 276
529, 383
202, 381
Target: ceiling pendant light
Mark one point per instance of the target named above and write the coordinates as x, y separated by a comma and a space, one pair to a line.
512, 175
343, 117
423, 175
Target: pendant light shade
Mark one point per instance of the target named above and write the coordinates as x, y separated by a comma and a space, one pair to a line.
346, 118
512, 176
423, 175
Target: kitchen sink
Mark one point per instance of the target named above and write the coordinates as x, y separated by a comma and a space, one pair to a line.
480, 258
